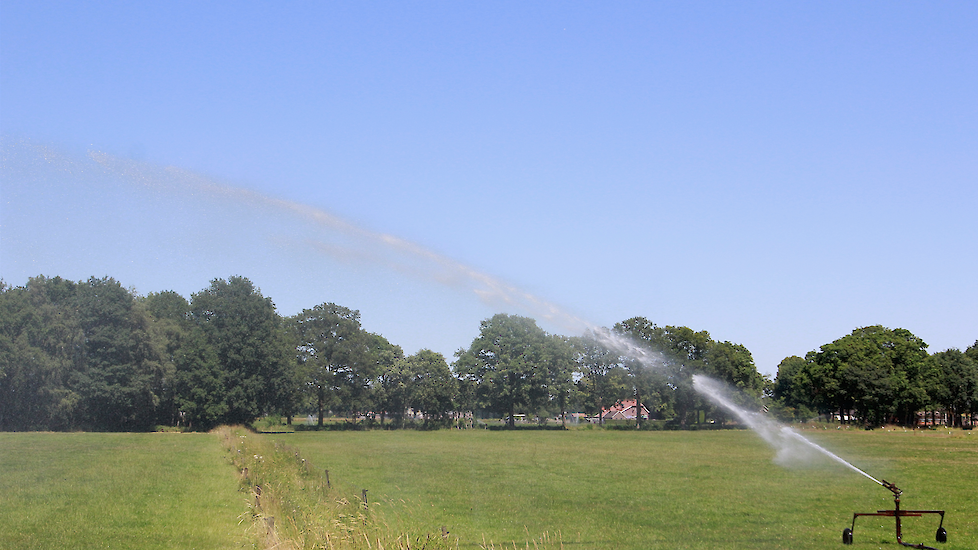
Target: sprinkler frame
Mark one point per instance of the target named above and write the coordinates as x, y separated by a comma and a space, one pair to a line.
897, 513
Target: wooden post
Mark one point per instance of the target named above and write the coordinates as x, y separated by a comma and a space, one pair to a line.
365, 498
328, 486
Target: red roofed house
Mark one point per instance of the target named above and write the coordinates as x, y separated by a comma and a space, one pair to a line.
624, 410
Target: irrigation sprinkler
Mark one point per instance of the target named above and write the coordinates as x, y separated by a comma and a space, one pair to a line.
897, 513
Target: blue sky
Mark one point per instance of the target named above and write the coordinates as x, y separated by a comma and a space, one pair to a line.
777, 174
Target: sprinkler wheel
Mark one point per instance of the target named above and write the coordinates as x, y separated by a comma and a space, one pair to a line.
941, 534
847, 536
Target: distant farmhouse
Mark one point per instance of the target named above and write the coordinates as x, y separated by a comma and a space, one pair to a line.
624, 410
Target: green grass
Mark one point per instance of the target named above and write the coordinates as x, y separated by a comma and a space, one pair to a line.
618, 489
126, 491
576, 489
293, 506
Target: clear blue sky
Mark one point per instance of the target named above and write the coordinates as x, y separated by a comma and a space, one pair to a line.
775, 173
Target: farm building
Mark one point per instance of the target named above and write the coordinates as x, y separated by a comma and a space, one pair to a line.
624, 410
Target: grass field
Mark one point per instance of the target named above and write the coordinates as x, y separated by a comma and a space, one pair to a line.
125, 491
628, 490
582, 488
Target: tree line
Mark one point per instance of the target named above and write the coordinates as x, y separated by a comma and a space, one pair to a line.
93, 355
877, 375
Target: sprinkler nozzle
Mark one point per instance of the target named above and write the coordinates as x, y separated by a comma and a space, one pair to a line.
893, 488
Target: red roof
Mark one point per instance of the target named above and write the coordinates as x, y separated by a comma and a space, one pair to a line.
623, 410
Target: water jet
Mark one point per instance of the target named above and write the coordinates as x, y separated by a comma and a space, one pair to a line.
783, 437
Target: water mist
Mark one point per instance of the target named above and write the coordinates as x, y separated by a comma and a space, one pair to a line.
791, 446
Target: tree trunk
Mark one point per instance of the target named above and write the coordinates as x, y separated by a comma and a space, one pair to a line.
563, 410
638, 410
321, 397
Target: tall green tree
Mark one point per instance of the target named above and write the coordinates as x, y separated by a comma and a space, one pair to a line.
40, 346
328, 343
392, 392
245, 332
168, 323
561, 370
684, 353
388, 388
793, 389
603, 380
121, 376
508, 363
77, 355
734, 364
432, 390
195, 382
365, 379
869, 371
957, 391
200, 383
972, 351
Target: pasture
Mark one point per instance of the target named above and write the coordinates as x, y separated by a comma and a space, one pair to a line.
538, 489
640, 490
118, 491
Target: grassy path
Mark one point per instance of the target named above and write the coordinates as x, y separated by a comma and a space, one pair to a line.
125, 491
607, 489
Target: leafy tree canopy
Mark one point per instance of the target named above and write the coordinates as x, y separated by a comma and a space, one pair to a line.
508, 363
